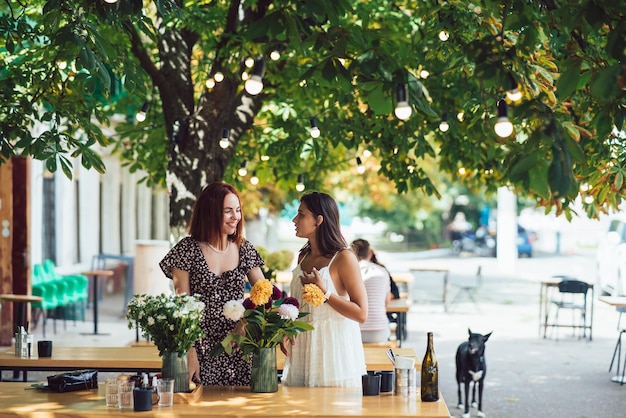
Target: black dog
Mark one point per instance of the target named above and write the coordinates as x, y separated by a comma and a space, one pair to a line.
471, 367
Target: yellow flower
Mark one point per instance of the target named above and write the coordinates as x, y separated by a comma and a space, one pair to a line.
261, 292
313, 295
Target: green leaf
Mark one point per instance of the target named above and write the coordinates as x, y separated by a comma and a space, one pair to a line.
568, 82
603, 85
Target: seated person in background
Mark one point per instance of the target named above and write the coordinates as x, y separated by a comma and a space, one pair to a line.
375, 329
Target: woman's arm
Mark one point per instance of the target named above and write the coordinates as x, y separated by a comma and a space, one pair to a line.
254, 274
346, 268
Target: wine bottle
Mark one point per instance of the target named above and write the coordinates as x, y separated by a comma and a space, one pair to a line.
430, 373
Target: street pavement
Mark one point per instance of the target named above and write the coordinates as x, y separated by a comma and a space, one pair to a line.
527, 375
562, 376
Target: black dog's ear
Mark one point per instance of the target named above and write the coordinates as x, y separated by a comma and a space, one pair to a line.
486, 337
469, 331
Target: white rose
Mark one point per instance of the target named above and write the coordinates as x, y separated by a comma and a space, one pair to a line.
234, 310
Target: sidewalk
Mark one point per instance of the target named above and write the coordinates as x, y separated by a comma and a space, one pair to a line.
528, 376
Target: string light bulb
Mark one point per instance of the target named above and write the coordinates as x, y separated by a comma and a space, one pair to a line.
444, 125
243, 170
503, 126
444, 35
403, 110
514, 94
254, 180
300, 184
254, 84
110, 1
360, 168
141, 115
224, 141
219, 77
315, 130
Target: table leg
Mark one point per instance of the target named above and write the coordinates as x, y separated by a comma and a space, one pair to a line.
95, 307
445, 292
401, 328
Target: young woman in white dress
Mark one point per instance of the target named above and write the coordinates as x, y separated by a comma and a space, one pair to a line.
331, 354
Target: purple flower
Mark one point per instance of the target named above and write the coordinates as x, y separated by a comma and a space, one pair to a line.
292, 301
248, 304
277, 293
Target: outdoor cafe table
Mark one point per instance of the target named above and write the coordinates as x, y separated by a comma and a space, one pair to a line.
400, 307
223, 402
144, 359
444, 271
617, 302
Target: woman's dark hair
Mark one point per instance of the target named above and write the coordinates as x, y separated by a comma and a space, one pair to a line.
361, 248
208, 214
328, 234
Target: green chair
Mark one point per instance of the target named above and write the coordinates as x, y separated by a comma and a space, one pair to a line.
72, 292
47, 291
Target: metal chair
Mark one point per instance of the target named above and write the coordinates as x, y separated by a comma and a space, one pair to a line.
470, 289
573, 296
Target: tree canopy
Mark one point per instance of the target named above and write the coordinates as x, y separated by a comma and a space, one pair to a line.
69, 68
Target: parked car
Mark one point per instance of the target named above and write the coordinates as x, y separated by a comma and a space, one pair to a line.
611, 258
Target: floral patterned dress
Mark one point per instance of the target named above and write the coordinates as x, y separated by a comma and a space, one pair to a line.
215, 291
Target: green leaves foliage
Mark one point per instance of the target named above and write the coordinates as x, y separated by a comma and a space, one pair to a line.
340, 61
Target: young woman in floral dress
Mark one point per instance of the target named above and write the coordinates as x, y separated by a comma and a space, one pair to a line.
214, 262
332, 354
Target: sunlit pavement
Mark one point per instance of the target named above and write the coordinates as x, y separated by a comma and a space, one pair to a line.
528, 376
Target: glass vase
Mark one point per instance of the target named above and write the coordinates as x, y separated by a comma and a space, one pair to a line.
175, 366
264, 377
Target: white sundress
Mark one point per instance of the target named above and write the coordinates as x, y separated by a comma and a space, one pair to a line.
332, 354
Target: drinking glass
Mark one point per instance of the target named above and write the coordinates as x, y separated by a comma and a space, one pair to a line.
165, 388
125, 395
111, 392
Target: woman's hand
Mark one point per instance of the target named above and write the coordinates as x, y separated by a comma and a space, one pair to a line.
286, 344
314, 278
194, 365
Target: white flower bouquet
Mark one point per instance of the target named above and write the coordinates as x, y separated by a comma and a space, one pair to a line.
172, 322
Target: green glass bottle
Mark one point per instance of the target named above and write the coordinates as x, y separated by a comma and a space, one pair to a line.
430, 373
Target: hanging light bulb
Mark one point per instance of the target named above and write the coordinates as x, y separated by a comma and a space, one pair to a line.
224, 141
444, 35
315, 131
110, 1
460, 116
254, 180
360, 168
513, 94
210, 83
300, 184
141, 115
219, 77
254, 84
243, 170
403, 110
275, 55
444, 125
265, 157
503, 126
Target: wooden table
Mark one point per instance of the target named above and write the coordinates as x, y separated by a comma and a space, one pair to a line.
617, 302
21, 304
95, 275
223, 402
436, 269
145, 359
400, 307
